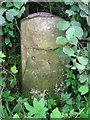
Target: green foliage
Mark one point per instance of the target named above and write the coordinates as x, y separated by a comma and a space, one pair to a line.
74, 99
38, 110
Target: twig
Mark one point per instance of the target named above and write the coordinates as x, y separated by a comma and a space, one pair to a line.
17, 26
7, 70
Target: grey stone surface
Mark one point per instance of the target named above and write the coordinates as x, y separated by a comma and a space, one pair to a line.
42, 69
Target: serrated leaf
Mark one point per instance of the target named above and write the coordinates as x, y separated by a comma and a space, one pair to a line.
14, 69
63, 25
70, 33
83, 60
83, 89
69, 51
61, 40
56, 114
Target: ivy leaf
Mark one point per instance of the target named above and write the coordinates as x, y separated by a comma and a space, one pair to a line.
2, 20
78, 66
63, 25
14, 69
61, 40
2, 55
78, 31
16, 116
83, 60
70, 12
10, 98
83, 89
21, 12
70, 33
18, 4
83, 14
69, 51
73, 41
83, 78
75, 23
56, 113
7, 41
13, 83
9, 4
10, 14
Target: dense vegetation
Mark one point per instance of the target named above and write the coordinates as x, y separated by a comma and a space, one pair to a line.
74, 100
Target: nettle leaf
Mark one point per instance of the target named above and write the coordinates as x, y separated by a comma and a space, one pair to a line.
73, 41
70, 12
83, 60
83, 89
56, 113
63, 25
69, 51
18, 4
70, 33
10, 14
78, 31
14, 69
61, 40
83, 78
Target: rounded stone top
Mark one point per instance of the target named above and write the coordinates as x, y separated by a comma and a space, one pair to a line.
40, 31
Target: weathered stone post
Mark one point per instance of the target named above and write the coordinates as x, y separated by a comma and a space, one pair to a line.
42, 69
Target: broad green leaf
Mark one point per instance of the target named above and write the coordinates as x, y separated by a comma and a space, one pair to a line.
16, 116
73, 41
83, 14
10, 98
56, 113
7, 41
83, 89
83, 60
69, 101
2, 20
10, 14
21, 12
61, 40
2, 10
13, 83
18, 4
2, 55
63, 25
83, 78
14, 69
69, 51
78, 66
75, 23
9, 4
70, 33
70, 12
78, 31
5, 94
